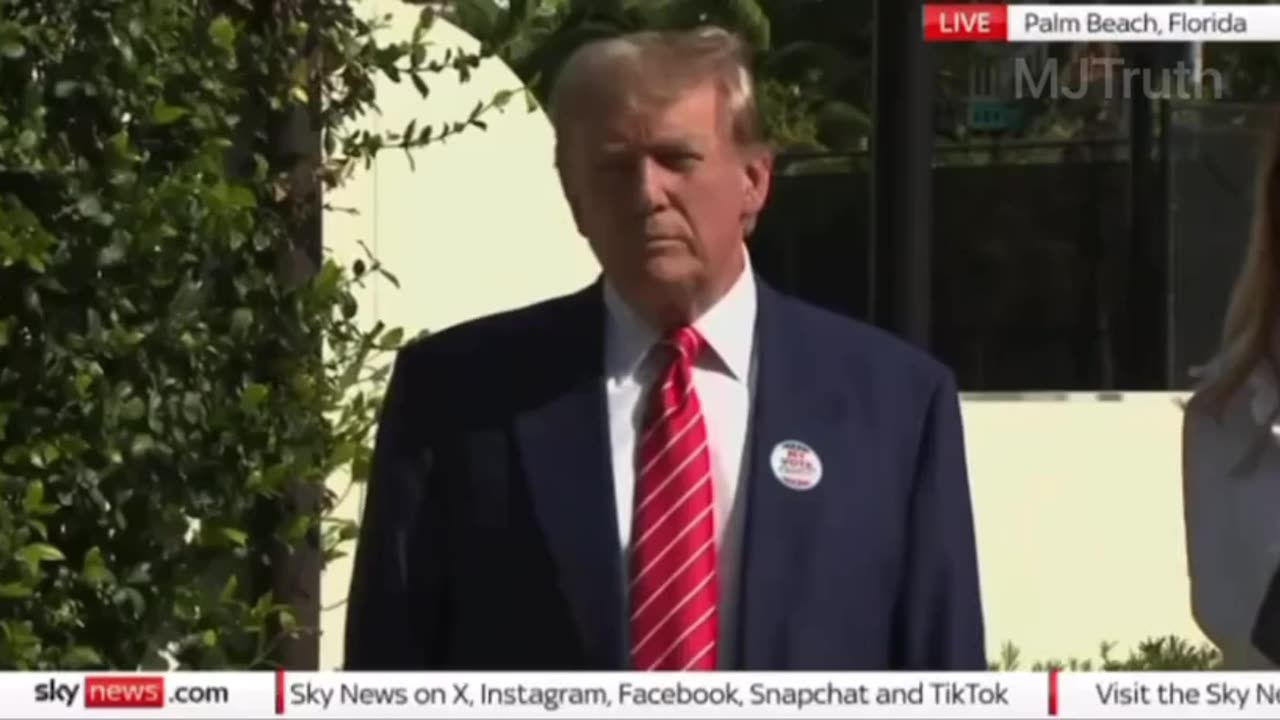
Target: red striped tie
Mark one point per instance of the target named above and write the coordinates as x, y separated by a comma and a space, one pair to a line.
674, 592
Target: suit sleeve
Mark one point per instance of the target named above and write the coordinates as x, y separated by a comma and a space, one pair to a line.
394, 604
940, 623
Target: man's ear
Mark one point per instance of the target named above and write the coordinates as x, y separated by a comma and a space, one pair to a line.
570, 194
757, 178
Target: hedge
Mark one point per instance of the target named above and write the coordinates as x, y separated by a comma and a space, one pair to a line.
180, 367
1160, 653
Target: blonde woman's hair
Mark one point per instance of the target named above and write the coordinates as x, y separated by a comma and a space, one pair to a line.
1248, 333
652, 68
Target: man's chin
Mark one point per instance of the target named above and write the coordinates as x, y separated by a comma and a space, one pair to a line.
674, 266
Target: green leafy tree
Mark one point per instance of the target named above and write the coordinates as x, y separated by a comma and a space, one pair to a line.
177, 367
811, 93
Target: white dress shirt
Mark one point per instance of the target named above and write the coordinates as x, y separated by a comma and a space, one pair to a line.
1231, 493
724, 378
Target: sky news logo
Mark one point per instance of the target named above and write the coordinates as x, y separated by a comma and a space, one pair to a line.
131, 692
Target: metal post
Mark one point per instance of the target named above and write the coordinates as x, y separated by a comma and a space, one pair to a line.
900, 264
1147, 278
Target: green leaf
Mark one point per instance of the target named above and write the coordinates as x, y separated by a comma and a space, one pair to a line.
82, 656
298, 528
392, 340
40, 552
241, 197
502, 98
349, 531
361, 464
236, 537
253, 397
241, 319
420, 85
192, 407
228, 593
142, 444
89, 206
111, 255
134, 409
343, 453
350, 376
223, 33
139, 575
478, 18
15, 590
94, 569
163, 113
131, 599
326, 281
34, 497
12, 49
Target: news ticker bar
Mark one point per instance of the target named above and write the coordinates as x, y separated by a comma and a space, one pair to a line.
640, 695
1102, 23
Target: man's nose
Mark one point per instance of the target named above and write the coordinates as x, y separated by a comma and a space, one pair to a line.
650, 185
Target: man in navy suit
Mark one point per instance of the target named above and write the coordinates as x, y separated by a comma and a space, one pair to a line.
676, 468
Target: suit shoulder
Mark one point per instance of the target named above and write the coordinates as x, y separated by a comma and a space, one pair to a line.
510, 334
878, 350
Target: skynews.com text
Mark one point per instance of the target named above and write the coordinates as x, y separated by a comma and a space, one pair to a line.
128, 691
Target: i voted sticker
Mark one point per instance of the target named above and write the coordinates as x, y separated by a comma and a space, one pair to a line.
796, 465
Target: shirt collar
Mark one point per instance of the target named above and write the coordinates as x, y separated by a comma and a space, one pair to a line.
728, 327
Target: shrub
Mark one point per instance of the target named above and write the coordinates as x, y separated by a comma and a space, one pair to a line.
1166, 653
177, 366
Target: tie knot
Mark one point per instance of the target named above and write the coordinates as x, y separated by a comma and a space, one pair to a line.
688, 342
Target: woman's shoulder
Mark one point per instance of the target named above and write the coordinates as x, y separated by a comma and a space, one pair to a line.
1226, 424
1233, 397
1229, 495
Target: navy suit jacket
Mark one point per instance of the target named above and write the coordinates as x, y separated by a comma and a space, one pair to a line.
490, 539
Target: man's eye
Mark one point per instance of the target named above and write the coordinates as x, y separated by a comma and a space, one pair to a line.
615, 164
680, 160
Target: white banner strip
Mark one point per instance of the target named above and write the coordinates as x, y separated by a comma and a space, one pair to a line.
441, 696
234, 695
650, 695
1170, 695
1101, 23
1143, 23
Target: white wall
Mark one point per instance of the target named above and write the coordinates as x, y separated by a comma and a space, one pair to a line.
1077, 499
1079, 513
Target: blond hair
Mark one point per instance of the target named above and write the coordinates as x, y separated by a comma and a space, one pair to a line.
1248, 333
651, 69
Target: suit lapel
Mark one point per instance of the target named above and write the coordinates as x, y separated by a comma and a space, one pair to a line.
781, 524
564, 445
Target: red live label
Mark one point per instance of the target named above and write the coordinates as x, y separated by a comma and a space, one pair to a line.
123, 692
966, 23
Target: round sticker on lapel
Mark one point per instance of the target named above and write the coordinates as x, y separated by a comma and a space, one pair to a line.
796, 465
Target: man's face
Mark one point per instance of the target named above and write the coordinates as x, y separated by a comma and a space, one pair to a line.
664, 196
